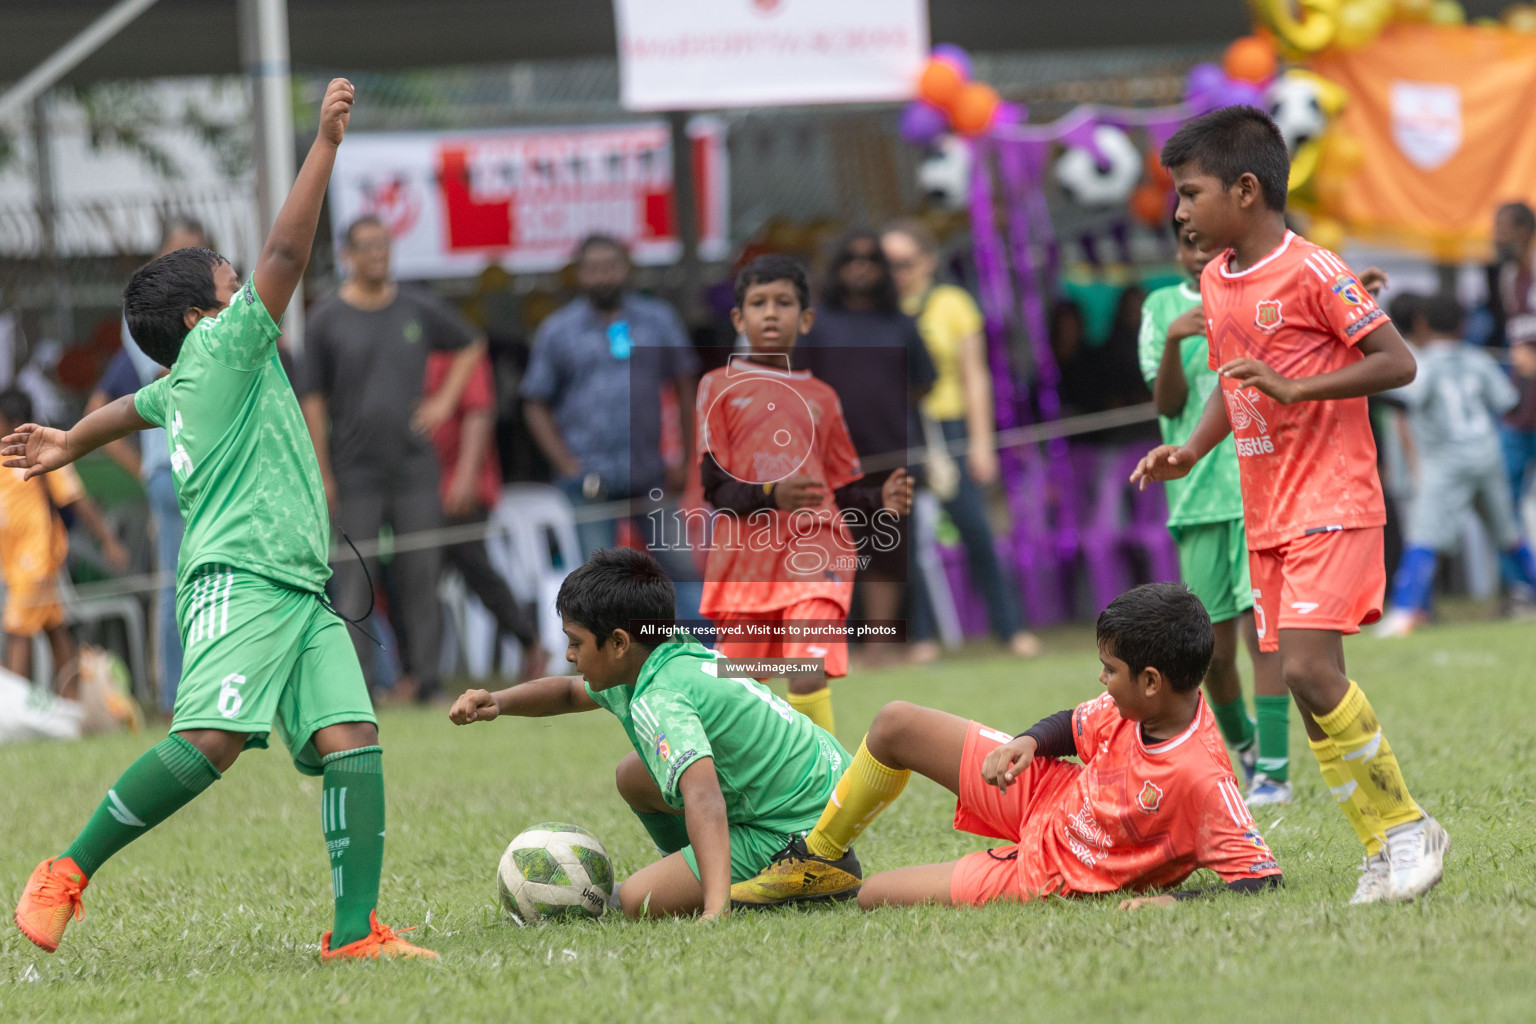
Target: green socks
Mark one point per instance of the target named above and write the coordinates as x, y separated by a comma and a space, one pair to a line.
352, 816
1274, 736
156, 786
668, 831
1236, 726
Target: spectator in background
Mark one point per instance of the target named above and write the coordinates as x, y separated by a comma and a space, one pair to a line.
470, 485
146, 457
1512, 300
365, 362
1077, 386
960, 405
34, 547
592, 399
872, 355
1453, 407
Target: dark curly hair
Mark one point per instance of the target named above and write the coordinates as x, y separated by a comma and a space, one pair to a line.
614, 589
157, 298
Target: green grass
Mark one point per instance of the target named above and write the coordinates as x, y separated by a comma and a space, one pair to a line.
217, 915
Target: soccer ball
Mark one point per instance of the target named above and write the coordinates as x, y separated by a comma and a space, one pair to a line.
945, 173
1297, 110
1089, 182
553, 871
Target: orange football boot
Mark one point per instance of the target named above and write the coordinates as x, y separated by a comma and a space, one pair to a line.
383, 941
52, 896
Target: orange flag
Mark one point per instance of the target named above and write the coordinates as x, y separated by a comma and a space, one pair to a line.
1446, 117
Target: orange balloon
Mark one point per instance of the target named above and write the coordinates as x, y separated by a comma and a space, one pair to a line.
1251, 59
973, 109
1149, 204
941, 84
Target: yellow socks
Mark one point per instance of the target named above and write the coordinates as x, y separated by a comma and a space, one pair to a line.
865, 790
816, 706
1368, 758
1363, 817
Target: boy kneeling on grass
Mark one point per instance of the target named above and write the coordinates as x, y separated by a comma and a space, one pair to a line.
1153, 799
724, 775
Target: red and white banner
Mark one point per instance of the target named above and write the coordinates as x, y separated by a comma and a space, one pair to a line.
710, 54
457, 202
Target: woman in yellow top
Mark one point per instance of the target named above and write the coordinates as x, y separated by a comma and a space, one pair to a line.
960, 404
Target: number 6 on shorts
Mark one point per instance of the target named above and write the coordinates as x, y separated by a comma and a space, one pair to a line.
229, 697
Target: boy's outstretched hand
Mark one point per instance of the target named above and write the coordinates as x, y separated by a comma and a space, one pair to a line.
896, 492
1165, 462
336, 110
474, 706
1007, 762
1251, 373
36, 449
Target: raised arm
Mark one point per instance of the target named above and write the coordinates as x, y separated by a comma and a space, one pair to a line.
37, 449
280, 267
537, 698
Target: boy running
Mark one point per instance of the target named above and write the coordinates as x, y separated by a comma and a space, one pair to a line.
1153, 799
1205, 517
261, 643
724, 774
775, 456
1454, 407
1299, 343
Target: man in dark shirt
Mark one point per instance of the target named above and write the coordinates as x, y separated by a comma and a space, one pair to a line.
875, 359
364, 364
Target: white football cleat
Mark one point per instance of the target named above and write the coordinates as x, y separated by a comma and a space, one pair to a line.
1375, 880
1266, 792
1416, 852
1397, 622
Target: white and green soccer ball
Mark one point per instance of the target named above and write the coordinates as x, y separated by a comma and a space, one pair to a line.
554, 871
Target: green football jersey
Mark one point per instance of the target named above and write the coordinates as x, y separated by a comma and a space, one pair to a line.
247, 480
1210, 493
777, 768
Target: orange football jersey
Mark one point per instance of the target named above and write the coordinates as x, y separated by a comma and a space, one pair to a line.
1139, 817
1308, 467
765, 425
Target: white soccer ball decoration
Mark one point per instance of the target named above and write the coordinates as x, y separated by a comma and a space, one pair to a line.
553, 871
945, 173
1297, 110
1088, 182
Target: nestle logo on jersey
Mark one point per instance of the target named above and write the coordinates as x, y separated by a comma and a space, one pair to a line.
1260, 445
1266, 315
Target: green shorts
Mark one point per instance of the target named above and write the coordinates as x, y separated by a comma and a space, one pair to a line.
752, 850
1213, 559
259, 654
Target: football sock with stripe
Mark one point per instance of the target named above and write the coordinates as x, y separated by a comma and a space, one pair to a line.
1236, 726
1368, 757
1274, 736
817, 706
1363, 817
352, 817
668, 831
865, 789
156, 786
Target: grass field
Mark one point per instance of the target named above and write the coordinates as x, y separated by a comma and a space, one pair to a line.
217, 915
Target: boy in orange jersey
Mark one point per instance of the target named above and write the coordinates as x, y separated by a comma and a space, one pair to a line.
1153, 799
1299, 343
776, 458
33, 549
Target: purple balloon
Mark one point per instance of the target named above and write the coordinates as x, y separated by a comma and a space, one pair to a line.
1204, 87
1242, 94
1008, 115
956, 56
921, 123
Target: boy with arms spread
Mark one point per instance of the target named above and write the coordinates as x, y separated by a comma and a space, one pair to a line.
1205, 517
1153, 799
261, 643
775, 456
1299, 343
724, 775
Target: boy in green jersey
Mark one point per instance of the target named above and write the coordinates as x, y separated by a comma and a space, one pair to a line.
1205, 516
262, 646
725, 775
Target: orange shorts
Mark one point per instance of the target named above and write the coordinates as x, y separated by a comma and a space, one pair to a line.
833, 652
1334, 581
985, 810
32, 603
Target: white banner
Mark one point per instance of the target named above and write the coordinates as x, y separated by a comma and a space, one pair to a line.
710, 54
456, 202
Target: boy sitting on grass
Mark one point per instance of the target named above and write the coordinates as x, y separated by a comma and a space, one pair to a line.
1153, 799
724, 774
